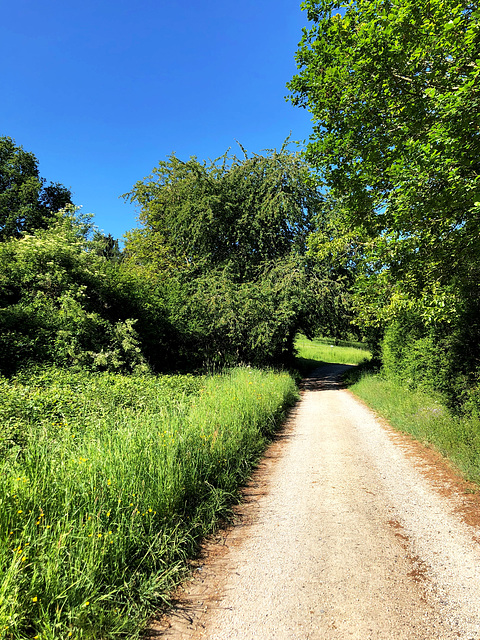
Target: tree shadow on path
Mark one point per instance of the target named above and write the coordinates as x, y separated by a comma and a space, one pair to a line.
327, 377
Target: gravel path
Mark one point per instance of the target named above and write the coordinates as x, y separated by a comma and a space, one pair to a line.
342, 536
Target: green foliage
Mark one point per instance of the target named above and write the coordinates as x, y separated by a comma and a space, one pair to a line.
60, 302
109, 482
392, 88
240, 213
225, 321
223, 270
432, 359
25, 202
335, 255
392, 91
105, 246
227, 244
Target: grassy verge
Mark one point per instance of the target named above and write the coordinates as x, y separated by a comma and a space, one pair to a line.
108, 483
426, 419
314, 353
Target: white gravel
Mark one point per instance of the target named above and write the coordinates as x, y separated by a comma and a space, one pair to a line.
349, 540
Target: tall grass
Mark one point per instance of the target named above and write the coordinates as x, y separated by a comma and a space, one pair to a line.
426, 419
314, 353
107, 485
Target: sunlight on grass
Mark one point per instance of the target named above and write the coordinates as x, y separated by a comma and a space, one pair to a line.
314, 353
108, 482
426, 419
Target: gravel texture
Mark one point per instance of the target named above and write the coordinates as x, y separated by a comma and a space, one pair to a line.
342, 535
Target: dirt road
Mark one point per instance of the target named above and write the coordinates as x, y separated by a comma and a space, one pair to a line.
347, 532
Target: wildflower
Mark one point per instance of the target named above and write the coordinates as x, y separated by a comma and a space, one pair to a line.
34, 599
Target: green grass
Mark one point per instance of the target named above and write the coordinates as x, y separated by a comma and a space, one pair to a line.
314, 353
339, 343
107, 484
426, 419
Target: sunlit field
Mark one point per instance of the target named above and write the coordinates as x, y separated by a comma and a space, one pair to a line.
314, 353
108, 482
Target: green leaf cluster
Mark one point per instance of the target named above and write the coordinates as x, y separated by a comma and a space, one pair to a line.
61, 303
232, 212
228, 241
393, 91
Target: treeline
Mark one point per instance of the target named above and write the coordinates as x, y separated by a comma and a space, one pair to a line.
217, 273
372, 233
393, 88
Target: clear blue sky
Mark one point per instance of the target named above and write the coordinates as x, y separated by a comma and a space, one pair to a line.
100, 91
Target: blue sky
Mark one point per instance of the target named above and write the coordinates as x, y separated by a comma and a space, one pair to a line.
100, 91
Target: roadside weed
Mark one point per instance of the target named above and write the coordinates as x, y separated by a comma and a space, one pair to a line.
109, 482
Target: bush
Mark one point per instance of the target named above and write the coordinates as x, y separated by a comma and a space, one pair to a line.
430, 358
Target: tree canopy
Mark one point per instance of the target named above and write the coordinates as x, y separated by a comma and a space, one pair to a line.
229, 240
230, 211
26, 202
393, 89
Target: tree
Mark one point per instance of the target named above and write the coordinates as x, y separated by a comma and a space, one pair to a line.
26, 203
393, 89
61, 302
105, 246
394, 92
229, 242
231, 211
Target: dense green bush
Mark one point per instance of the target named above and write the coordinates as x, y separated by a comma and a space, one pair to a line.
62, 303
433, 358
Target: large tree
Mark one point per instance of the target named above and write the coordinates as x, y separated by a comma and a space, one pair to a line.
229, 240
26, 202
393, 88
240, 212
